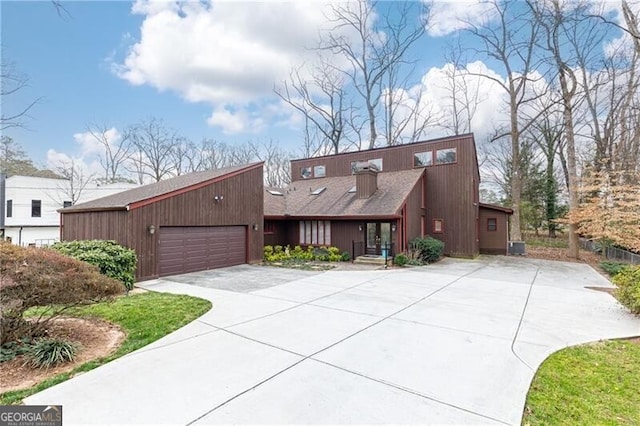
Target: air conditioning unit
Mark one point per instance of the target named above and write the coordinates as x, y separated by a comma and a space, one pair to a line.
516, 248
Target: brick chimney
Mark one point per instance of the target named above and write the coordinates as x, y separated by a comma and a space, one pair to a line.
366, 179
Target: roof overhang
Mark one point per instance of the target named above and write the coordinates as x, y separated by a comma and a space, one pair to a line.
94, 209
343, 217
497, 208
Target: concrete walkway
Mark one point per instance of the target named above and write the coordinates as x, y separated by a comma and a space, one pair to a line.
457, 342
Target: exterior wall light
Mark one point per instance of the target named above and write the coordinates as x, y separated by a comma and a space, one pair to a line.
393, 227
218, 198
360, 227
152, 229
255, 226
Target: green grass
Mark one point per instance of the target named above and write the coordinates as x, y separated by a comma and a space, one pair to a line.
144, 317
594, 384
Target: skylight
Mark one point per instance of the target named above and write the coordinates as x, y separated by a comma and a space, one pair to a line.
319, 190
273, 192
352, 190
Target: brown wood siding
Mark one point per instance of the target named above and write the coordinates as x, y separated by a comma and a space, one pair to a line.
493, 242
451, 189
242, 204
343, 232
414, 215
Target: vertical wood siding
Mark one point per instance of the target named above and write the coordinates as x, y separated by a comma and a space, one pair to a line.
494, 242
242, 204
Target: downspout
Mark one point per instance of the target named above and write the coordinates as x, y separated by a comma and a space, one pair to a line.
20, 237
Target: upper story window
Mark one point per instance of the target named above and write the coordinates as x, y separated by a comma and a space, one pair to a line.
446, 156
319, 171
67, 204
354, 166
36, 208
305, 172
313, 172
377, 162
9, 208
423, 159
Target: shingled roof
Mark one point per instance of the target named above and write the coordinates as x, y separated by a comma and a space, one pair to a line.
336, 201
168, 187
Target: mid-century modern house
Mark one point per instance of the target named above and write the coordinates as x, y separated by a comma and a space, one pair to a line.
357, 201
29, 204
363, 201
188, 223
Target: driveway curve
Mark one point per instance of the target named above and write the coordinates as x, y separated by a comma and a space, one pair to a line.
457, 342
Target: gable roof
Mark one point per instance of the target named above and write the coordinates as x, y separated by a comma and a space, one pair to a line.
335, 201
157, 191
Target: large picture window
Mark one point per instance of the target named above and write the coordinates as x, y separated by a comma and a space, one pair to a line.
315, 232
446, 156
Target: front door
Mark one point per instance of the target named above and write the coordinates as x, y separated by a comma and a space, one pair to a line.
378, 234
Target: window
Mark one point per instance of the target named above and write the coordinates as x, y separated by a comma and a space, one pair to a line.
9, 208
438, 226
354, 166
446, 156
492, 224
67, 204
319, 171
305, 172
423, 159
319, 190
269, 227
36, 208
315, 232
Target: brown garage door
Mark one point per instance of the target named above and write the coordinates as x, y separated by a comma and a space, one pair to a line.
196, 248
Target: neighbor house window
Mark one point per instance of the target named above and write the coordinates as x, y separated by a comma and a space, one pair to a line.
319, 171
446, 156
492, 224
67, 204
438, 226
305, 172
422, 159
9, 208
315, 232
36, 208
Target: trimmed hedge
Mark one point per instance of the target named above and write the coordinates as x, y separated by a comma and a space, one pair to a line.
628, 291
430, 249
400, 259
327, 254
112, 259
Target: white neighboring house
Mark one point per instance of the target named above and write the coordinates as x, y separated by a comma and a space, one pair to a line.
29, 206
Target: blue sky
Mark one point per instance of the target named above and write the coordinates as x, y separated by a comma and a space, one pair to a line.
206, 71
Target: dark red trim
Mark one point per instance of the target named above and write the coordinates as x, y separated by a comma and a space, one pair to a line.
142, 203
497, 208
370, 218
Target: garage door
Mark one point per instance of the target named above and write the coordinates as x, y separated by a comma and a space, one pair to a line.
196, 248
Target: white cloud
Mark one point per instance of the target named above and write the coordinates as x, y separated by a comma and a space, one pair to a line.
224, 53
90, 145
453, 15
56, 160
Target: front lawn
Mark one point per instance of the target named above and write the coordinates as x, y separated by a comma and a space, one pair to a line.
597, 383
144, 317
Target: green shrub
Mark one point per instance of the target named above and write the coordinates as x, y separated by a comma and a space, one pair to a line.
628, 291
321, 254
400, 259
10, 350
612, 268
47, 353
111, 258
430, 249
345, 257
42, 277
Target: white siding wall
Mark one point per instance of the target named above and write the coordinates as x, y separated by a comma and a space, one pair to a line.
52, 193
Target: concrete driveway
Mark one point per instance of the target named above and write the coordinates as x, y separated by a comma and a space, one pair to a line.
455, 342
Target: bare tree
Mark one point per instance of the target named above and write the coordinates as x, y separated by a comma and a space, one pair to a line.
213, 154
372, 44
321, 100
152, 149
277, 170
74, 180
12, 82
510, 40
116, 150
464, 98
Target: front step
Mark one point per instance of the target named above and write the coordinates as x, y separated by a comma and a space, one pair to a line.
371, 260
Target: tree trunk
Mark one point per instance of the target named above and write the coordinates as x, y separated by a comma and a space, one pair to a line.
516, 178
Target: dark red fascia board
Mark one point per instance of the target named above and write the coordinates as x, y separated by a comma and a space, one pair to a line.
498, 208
344, 217
142, 203
92, 209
